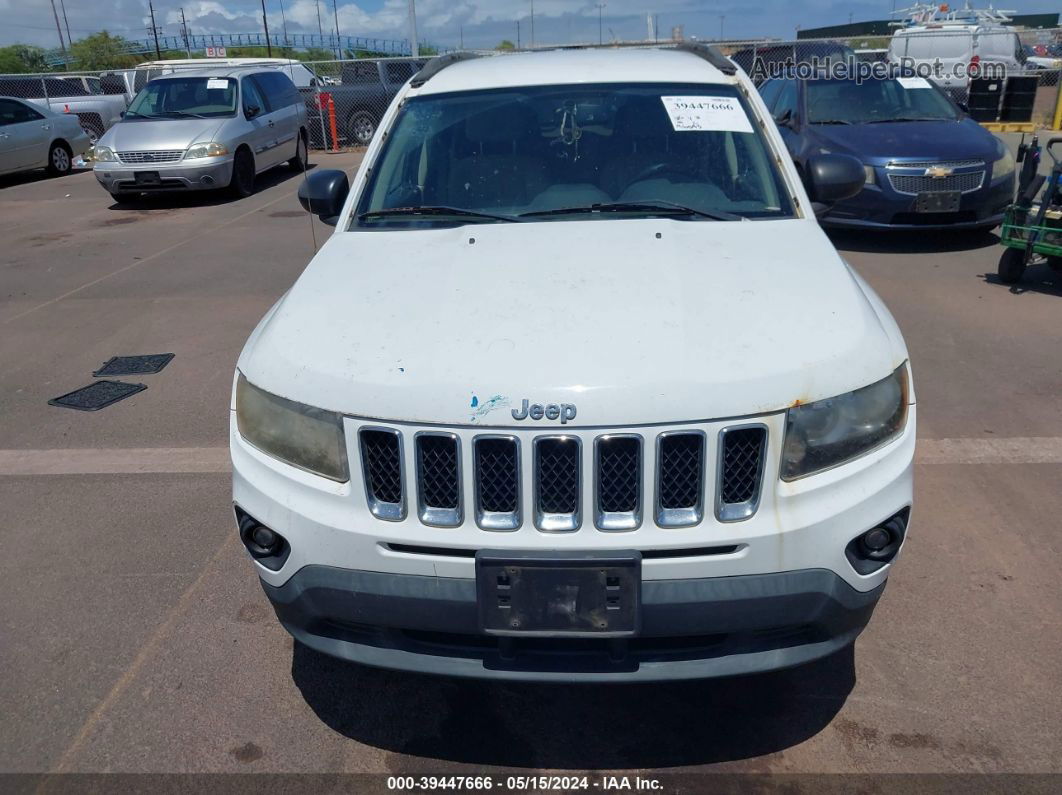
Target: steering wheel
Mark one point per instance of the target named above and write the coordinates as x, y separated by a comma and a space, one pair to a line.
661, 169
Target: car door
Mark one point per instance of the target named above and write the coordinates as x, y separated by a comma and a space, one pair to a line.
260, 135
24, 136
281, 95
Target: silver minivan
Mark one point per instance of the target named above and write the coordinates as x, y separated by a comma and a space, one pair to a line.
202, 130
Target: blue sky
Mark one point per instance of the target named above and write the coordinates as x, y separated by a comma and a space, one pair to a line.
483, 22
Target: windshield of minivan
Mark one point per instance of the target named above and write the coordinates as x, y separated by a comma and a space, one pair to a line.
185, 97
870, 101
571, 152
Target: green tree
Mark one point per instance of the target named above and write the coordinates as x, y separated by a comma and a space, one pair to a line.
22, 58
506, 45
101, 51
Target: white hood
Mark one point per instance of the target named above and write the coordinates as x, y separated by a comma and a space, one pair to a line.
709, 320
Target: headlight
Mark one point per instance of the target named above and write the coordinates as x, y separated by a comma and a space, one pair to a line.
871, 179
829, 432
103, 154
303, 436
205, 150
1005, 165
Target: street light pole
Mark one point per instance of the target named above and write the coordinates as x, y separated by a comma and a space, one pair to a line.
414, 48
600, 37
532, 24
722, 19
265, 22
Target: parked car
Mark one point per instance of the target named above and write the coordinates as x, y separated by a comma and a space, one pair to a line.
203, 130
96, 113
366, 90
33, 137
927, 163
613, 409
762, 61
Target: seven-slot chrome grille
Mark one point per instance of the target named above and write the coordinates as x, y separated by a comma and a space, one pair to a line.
677, 493
162, 156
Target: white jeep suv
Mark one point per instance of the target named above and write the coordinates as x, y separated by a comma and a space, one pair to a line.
578, 389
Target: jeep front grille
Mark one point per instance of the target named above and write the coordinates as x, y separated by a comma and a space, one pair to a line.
679, 478
452, 470
557, 478
742, 454
381, 459
497, 481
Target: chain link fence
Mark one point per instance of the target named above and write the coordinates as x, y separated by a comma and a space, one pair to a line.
1012, 79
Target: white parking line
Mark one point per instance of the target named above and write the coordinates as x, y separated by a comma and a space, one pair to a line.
207, 460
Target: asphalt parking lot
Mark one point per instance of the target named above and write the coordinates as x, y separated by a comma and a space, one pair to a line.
135, 637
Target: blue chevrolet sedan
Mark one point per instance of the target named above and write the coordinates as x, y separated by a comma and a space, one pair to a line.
928, 164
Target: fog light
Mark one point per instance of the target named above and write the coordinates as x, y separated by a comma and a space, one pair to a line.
876, 540
267, 539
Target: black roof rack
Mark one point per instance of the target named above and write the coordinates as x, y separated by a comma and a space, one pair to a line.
710, 54
437, 64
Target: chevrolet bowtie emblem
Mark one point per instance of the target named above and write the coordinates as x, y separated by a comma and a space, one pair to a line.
938, 172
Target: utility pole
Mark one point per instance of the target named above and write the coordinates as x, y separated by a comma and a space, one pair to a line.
66, 22
265, 23
414, 48
518, 34
532, 24
58, 29
339, 47
283, 23
184, 32
154, 29
320, 30
600, 36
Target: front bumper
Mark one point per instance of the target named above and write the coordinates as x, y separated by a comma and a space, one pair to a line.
880, 207
121, 178
690, 628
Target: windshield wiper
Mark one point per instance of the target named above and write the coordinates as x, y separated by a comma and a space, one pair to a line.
436, 210
831, 121
905, 118
655, 206
180, 114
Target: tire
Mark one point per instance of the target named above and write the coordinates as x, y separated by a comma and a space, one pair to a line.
300, 161
1012, 265
242, 183
60, 159
361, 127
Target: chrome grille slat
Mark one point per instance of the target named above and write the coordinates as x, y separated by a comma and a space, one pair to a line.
918, 183
742, 454
934, 163
439, 478
160, 156
680, 478
497, 482
618, 482
381, 461
557, 480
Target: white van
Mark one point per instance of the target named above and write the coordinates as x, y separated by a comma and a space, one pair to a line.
135, 79
951, 49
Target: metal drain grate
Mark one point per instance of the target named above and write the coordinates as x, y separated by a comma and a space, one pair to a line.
134, 365
97, 396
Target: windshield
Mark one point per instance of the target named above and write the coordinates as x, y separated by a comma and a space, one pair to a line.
578, 151
179, 97
900, 99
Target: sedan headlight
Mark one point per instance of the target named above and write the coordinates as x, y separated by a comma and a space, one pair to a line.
829, 432
1004, 165
300, 435
205, 150
103, 154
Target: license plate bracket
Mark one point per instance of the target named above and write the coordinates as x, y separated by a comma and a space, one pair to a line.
146, 178
939, 201
556, 594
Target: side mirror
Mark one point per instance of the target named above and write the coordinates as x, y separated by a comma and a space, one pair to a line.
833, 178
250, 111
323, 193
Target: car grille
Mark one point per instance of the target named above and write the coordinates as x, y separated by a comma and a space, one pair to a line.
911, 178
557, 502
167, 156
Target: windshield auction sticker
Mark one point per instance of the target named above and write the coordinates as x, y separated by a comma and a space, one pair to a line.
913, 82
217, 82
706, 114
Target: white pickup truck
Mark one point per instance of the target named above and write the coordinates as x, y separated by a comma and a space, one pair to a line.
96, 112
578, 390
